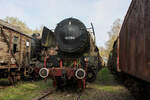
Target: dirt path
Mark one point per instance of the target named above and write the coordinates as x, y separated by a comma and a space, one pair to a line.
120, 93
104, 88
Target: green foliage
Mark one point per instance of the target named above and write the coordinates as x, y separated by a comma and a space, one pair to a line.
103, 54
24, 90
105, 77
38, 30
105, 88
22, 25
113, 34
18, 23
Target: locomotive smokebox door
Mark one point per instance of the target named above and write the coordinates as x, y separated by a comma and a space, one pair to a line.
71, 35
48, 39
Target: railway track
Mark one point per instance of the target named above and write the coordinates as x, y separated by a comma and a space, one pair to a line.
45, 95
3, 87
48, 93
79, 96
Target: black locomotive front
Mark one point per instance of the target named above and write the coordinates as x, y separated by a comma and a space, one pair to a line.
63, 53
71, 36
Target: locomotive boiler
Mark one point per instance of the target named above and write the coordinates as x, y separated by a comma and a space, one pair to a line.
69, 55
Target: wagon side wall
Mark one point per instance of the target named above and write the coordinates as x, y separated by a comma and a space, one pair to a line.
20, 42
134, 37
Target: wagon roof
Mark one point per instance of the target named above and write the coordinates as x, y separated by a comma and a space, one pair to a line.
12, 27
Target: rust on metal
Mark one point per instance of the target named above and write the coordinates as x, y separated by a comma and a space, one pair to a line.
60, 71
10, 61
134, 48
61, 64
118, 67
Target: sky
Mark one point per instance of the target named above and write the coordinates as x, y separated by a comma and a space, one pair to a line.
102, 13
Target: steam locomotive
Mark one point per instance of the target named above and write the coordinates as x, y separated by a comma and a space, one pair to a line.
69, 55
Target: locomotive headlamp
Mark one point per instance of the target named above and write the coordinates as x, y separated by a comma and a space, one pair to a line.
80, 73
44, 72
86, 59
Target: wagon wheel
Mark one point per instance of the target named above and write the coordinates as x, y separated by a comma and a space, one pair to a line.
18, 76
91, 75
12, 79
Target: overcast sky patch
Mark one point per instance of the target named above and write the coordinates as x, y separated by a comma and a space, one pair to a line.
102, 13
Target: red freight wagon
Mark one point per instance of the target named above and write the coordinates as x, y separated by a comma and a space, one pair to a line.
134, 39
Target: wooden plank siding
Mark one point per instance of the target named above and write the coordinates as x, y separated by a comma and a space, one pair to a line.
16, 42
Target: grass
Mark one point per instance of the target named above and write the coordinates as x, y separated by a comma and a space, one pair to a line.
105, 77
24, 90
105, 81
104, 88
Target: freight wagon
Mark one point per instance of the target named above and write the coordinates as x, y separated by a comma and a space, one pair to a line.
15, 47
130, 57
134, 39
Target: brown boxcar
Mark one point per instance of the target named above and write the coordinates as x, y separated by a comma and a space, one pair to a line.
14, 51
134, 39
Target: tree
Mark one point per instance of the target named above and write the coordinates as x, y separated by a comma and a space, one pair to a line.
38, 30
102, 51
113, 34
18, 23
